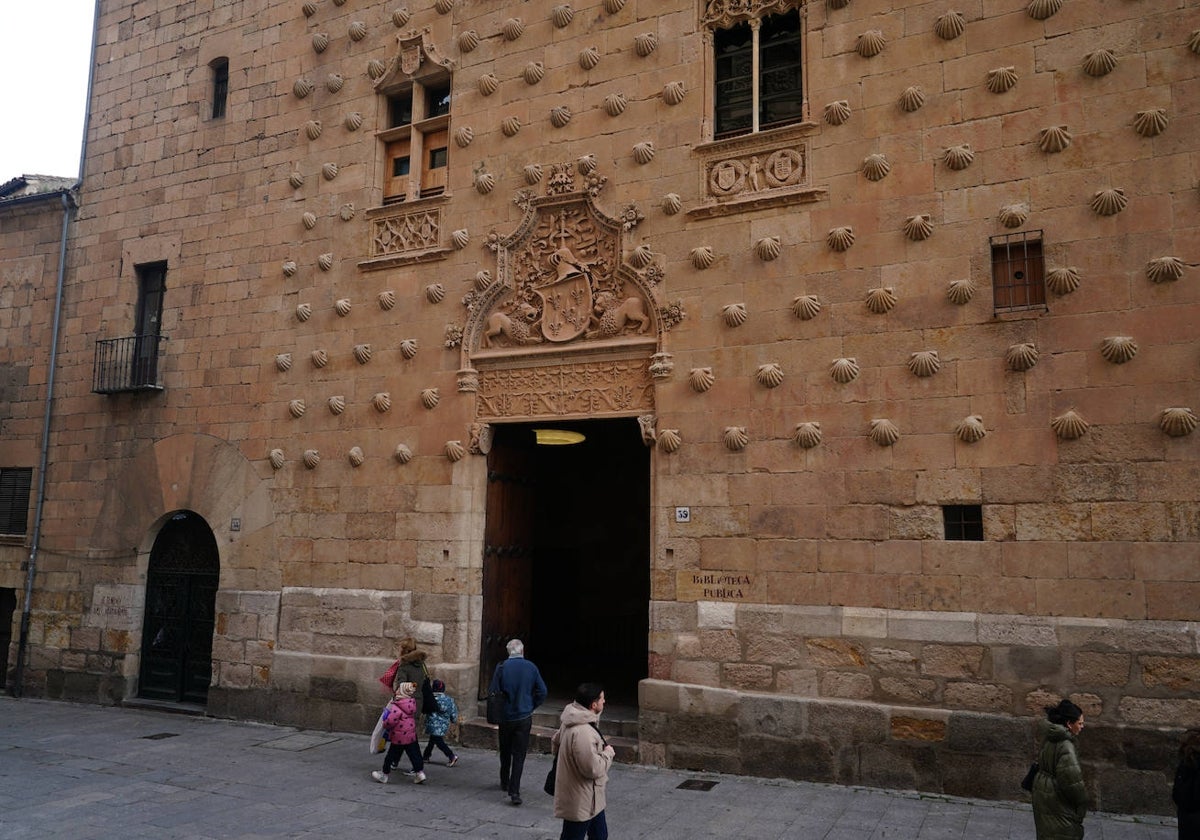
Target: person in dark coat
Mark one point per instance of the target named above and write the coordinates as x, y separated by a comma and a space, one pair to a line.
521, 680
1059, 797
1186, 790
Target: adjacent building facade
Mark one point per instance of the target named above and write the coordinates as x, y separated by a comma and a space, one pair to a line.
874, 325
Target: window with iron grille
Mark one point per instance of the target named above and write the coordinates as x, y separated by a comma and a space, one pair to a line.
757, 67
14, 500
963, 522
1018, 272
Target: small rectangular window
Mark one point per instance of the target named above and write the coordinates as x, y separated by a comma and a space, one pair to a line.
963, 522
1018, 272
220, 94
14, 500
437, 100
743, 102
400, 109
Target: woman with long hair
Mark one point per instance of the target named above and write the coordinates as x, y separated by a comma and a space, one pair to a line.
1059, 797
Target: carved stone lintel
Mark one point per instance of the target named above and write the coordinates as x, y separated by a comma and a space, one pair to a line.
579, 389
721, 14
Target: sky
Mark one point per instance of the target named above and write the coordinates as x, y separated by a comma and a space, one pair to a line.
45, 48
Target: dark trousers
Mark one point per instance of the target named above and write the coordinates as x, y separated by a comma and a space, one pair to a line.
439, 742
594, 829
392, 758
514, 743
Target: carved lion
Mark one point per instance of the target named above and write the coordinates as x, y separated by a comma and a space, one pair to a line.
611, 314
518, 328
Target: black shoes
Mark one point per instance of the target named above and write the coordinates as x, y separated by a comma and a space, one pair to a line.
515, 798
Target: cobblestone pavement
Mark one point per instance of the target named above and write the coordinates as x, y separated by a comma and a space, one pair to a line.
82, 771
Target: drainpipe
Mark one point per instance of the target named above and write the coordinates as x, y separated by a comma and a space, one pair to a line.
67, 203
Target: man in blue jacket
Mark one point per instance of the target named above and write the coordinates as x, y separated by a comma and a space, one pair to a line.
520, 679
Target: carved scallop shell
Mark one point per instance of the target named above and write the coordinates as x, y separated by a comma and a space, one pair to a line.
513, 29
408, 348
339, 2
342, 307
562, 15
881, 300
672, 204
485, 182
701, 379
460, 238
844, 370
463, 136
468, 41
735, 438
1002, 79
309, 220
806, 307
641, 256
312, 129
1054, 139
958, 158
703, 257
970, 429
1069, 425
587, 164
875, 167
560, 116
311, 458
382, 402
402, 454
1194, 42
283, 362
950, 25
1099, 62
589, 57
1178, 421
320, 42
645, 43
325, 261
510, 126
807, 435
918, 228
533, 173
1151, 123
309, 8
297, 408
444, 7
840, 238
870, 43
376, 68
346, 212
1118, 349
614, 104
302, 88
353, 121
1109, 202
356, 457
768, 248
387, 299
303, 312
674, 92
488, 84
1021, 357
884, 432
643, 152
912, 98
669, 440
924, 363
1062, 281
337, 404
277, 459
483, 279
357, 31
613, 6
960, 291
454, 450
296, 179
329, 171
769, 375
1042, 9
435, 293
1014, 215
289, 268
1164, 269
362, 352
734, 314
837, 113
400, 17
534, 72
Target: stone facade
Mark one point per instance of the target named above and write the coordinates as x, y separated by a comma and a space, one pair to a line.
804, 318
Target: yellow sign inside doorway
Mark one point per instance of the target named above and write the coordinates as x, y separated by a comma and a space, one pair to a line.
713, 585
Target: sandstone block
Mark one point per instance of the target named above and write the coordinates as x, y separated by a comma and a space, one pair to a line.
748, 677
909, 728
984, 697
798, 682
953, 660
1174, 673
845, 685
909, 690
1109, 669
835, 653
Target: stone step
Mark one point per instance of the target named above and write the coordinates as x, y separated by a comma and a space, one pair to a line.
478, 733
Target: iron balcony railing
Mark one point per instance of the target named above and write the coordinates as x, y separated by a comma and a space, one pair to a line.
126, 364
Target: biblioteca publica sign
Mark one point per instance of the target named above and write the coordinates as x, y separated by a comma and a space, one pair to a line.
715, 585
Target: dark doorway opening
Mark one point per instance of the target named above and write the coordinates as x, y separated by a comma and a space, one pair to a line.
567, 555
181, 593
8, 606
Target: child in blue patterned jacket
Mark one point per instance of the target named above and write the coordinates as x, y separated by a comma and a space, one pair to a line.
438, 723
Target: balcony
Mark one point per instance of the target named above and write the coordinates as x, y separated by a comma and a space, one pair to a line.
127, 364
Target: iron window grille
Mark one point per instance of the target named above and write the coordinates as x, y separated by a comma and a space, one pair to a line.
127, 364
14, 500
1018, 272
963, 522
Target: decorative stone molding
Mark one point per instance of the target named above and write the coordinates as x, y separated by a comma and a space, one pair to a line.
1042, 9
408, 348
722, 14
455, 451
645, 44
735, 438
911, 99
325, 261
1177, 422
485, 182
768, 248
1151, 123
562, 15
303, 312
309, 8
837, 113
918, 228
806, 307
767, 169
643, 152
400, 17
387, 300
297, 408
1118, 349
481, 436
430, 398
296, 179
463, 136
1021, 357
1099, 62
671, 204
346, 212
960, 291
1062, 281
875, 167
1069, 425
881, 300
353, 121
615, 104
357, 31
290, 268
460, 238
560, 116
769, 375
319, 358
534, 72
641, 256
468, 41
1109, 202
884, 432
532, 173
734, 314
444, 7
401, 235
302, 88
950, 25
512, 29
329, 171
1014, 215
924, 363
701, 379
589, 58
970, 429
283, 362
870, 43
337, 404
454, 336
382, 402
844, 370
376, 69
488, 84
1002, 79
620, 386
646, 424
703, 257
509, 126
673, 93
312, 129
342, 307
468, 380
958, 157
1054, 139
312, 458
362, 353
807, 435
277, 459
1164, 269
662, 365
356, 456
669, 440
403, 453
587, 164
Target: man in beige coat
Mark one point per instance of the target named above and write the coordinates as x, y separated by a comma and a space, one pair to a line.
583, 758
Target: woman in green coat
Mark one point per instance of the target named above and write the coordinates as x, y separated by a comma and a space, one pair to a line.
1059, 798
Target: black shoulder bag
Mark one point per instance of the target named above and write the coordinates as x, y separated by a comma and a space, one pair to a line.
552, 776
1027, 782
497, 701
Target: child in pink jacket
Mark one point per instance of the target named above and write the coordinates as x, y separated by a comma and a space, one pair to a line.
400, 727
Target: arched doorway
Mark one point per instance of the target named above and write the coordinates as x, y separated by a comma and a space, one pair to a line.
181, 592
